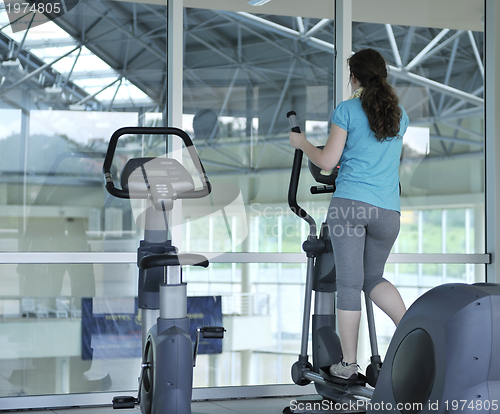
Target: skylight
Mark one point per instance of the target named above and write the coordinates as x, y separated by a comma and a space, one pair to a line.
48, 42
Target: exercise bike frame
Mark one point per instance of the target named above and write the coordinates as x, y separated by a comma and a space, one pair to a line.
165, 384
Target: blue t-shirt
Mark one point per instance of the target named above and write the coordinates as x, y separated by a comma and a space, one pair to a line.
369, 169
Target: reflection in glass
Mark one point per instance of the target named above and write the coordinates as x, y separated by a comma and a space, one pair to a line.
240, 79
42, 328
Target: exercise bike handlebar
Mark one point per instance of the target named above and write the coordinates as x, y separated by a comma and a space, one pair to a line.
121, 193
294, 179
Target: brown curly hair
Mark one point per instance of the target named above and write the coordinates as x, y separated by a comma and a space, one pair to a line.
378, 99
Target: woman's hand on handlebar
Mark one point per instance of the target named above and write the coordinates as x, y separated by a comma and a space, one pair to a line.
326, 158
297, 139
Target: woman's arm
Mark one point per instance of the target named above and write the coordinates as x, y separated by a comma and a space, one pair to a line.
326, 158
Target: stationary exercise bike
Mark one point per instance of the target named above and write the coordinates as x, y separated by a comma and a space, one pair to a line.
166, 379
326, 349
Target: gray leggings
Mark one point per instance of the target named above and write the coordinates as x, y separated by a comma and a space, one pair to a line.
362, 238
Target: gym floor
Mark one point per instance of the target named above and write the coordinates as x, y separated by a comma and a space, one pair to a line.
250, 406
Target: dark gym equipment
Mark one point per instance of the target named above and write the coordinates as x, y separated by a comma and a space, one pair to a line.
320, 278
165, 385
445, 355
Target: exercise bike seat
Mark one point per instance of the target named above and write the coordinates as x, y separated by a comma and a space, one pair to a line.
360, 380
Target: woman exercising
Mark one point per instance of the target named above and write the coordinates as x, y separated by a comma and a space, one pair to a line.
364, 213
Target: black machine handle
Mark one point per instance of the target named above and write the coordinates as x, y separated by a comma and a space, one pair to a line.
292, 118
120, 193
294, 178
172, 259
322, 189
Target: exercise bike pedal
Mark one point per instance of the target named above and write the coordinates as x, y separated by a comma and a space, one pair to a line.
207, 332
212, 332
124, 402
359, 380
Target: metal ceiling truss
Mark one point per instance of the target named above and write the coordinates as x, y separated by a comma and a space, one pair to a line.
27, 72
456, 87
228, 55
129, 38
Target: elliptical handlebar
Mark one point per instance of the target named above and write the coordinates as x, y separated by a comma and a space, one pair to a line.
294, 179
121, 193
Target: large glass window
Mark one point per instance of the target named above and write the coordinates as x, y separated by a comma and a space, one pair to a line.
242, 73
254, 68
59, 106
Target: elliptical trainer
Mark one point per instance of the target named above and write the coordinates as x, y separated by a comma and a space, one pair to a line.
166, 380
442, 357
326, 349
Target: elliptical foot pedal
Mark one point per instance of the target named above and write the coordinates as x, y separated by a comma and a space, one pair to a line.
359, 380
124, 402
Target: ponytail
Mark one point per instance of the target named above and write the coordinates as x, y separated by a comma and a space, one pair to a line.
378, 99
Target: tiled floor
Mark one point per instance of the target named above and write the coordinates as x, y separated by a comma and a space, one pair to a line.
250, 406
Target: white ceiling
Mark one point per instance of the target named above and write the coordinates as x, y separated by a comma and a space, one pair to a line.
449, 14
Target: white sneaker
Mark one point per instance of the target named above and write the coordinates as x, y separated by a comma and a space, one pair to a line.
344, 371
